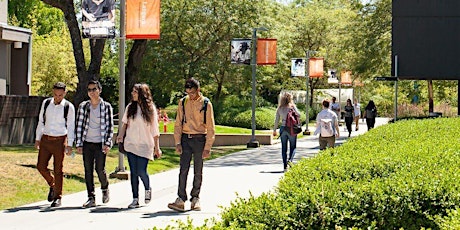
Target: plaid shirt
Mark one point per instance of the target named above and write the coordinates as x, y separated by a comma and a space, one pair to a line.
82, 123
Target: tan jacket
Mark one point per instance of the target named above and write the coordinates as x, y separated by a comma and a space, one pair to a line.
194, 121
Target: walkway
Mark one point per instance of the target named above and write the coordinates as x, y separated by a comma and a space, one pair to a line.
251, 171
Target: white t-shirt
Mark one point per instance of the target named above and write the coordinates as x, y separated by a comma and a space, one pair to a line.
357, 109
326, 114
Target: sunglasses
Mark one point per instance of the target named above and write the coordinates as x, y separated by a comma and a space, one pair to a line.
188, 86
92, 90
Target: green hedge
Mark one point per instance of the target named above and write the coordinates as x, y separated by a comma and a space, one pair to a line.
402, 175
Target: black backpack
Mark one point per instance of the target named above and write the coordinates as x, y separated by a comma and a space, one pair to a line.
66, 110
204, 109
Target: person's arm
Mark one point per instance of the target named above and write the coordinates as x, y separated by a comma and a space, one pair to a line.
277, 120
210, 131
178, 128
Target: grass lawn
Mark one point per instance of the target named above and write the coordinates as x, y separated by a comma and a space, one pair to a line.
21, 183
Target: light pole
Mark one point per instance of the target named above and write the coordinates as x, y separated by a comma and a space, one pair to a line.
307, 77
253, 143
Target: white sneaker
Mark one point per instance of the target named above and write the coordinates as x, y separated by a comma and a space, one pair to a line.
148, 195
195, 204
134, 204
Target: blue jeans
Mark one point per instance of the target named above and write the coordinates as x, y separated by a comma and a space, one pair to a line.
285, 137
138, 168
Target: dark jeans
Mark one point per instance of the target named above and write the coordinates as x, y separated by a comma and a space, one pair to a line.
52, 147
191, 147
370, 123
138, 168
348, 122
94, 156
285, 137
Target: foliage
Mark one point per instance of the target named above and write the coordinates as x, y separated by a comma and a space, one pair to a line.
388, 178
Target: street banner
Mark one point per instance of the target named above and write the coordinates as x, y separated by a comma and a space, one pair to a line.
240, 52
98, 19
297, 67
345, 77
332, 78
315, 67
143, 19
266, 51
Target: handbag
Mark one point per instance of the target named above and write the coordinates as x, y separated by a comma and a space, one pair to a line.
297, 129
121, 148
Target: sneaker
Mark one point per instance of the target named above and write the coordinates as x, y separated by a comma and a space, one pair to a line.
134, 204
290, 164
105, 196
90, 203
195, 204
51, 194
56, 203
178, 205
148, 195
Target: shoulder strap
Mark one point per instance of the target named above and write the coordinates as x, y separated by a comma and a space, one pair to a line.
66, 110
47, 103
183, 110
205, 107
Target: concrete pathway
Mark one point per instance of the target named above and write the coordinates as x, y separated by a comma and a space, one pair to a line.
251, 171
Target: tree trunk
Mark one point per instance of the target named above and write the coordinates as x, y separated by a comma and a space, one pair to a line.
430, 96
135, 58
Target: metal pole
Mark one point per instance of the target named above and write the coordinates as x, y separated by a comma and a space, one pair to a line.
307, 104
120, 170
396, 87
253, 143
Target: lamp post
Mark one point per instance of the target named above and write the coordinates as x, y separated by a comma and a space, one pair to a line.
253, 143
307, 77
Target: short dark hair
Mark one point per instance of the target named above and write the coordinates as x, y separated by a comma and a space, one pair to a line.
192, 83
94, 82
326, 103
59, 85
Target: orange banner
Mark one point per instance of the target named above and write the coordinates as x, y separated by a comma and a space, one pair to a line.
315, 67
345, 77
143, 19
266, 51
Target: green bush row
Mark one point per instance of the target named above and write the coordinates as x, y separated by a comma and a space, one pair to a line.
403, 175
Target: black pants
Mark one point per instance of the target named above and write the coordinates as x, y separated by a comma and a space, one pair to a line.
191, 147
348, 122
94, 157
370, 123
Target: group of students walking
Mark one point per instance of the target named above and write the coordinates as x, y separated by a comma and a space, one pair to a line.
327, 123
92, 131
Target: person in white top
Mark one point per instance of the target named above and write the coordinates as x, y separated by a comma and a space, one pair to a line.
54, 137
357, 109
327, 126
140, 124
335, 107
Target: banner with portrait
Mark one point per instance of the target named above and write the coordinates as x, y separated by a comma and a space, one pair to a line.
297, 67
315, 67
98, 18
266, 51
240, 51
332, 78
143, 19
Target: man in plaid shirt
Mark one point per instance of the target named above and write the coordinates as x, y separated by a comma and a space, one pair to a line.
94, 132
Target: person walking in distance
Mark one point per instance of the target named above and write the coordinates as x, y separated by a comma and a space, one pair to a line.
370, 113
327, 126
357, 110
94, 135
349, 115
285, 105
194, 134
54, 138
335, 107
142, 140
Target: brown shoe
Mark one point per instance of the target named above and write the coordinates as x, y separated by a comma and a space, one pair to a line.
178, 205
195, 204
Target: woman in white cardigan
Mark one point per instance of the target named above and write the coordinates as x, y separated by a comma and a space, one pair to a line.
141, 142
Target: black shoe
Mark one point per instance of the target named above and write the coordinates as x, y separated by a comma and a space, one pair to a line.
105, 196
56, 203
51, 194
90, 203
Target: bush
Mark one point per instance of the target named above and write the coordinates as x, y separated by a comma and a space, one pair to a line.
401, 175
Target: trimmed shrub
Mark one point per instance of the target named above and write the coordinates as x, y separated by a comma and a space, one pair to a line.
401, 175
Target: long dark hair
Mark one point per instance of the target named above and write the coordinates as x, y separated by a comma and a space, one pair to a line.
370, 105
144, 101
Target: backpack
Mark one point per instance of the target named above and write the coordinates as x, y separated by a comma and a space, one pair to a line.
293, 122
204, 109
66, 110
326, 127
